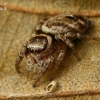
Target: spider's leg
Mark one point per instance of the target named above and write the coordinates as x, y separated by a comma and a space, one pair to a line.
45, 66
69, 42
20, 57
88, 37
59, 59
81, 36
38, 27
71, 45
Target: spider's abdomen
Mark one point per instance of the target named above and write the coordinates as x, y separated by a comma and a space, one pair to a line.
64, 24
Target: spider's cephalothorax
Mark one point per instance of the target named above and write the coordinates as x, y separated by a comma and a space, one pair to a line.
42, 52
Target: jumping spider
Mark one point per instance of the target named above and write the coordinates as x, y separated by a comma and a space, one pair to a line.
42, 52
47, 46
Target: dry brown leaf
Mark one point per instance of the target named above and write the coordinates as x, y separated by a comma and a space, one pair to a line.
74, 77
53, 7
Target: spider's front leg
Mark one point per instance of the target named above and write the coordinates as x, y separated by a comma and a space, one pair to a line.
45, 66
20, 57
58, 61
